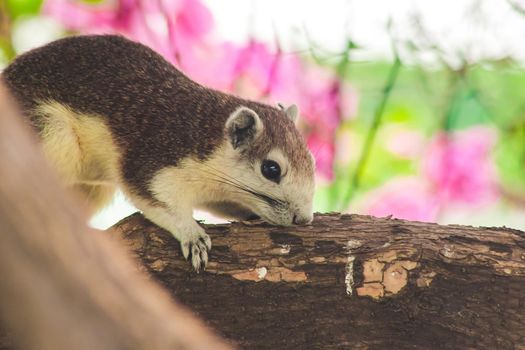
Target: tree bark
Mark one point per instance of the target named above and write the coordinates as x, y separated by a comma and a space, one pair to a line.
348, 282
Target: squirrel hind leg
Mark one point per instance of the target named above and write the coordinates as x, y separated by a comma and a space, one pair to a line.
59, 141
79, 147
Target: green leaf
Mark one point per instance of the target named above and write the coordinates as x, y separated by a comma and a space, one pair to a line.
350, 45
323, 200
510, 159
19, 8
7, 50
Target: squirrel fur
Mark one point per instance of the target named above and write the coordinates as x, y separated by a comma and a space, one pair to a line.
112, 113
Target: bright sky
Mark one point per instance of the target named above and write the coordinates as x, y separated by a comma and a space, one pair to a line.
476, 28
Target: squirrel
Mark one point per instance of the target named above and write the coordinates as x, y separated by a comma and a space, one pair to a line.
112, 113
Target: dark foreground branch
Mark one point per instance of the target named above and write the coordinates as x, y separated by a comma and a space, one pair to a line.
349, 282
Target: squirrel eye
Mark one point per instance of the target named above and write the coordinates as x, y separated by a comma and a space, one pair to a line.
271, 170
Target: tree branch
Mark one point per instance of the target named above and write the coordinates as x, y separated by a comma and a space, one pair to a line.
348, 281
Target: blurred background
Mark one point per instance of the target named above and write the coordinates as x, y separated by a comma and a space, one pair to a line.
413, 109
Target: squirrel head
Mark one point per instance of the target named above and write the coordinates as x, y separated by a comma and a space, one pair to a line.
268, 163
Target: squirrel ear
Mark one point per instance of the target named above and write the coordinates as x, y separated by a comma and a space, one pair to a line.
292, 112
243, 126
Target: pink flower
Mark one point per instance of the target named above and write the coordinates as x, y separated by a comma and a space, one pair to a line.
170, 27
403, 142
79, 16
459, 165
345, 150
212, 65
188, 23
259, 72
408, 198
191, 19
251, 71
319, 101
349, 101
320, 97
323, 151
259, 67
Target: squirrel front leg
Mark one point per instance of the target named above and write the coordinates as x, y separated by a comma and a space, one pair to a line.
168, 202
178, 220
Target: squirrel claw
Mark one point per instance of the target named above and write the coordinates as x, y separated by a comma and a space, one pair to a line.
195, 250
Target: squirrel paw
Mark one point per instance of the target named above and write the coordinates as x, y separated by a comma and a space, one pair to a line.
195, 249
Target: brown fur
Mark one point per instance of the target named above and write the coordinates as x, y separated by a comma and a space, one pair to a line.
112, 112
157, 115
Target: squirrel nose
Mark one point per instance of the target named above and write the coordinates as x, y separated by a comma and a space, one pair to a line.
301, 220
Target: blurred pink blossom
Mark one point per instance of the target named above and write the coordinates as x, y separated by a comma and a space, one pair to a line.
257, 69
408, 198
320, 99
320, 103
460, 167
346, 150
265, 73
403, 142
349, 101
171, 27
324, 153
76, 15
212, 65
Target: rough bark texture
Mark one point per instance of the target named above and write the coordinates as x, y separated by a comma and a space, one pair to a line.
63, 286
349, 281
